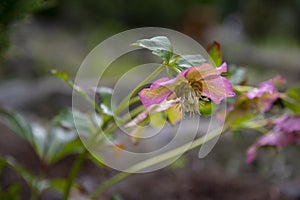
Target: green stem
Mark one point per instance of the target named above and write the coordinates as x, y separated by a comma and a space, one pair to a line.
124, 103
114, 125
74, 171
84, 95
155, 160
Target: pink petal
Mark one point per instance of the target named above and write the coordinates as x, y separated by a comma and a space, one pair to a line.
159, 90
222, 68
153, 96
217, 89
251, 154
153, 108
156, 93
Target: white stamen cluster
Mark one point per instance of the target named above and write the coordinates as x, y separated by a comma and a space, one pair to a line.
188, 99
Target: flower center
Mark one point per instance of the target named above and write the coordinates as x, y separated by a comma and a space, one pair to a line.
189, 100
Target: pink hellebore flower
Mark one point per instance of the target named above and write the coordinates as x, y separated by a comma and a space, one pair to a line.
266, 93
184, 91
286, 131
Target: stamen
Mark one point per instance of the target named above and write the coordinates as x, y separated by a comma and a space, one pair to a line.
188, 98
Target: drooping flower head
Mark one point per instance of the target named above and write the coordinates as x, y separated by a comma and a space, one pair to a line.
184, 91
189, 86
266, 93
286, 131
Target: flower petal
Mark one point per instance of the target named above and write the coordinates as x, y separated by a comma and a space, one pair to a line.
217, 89
156, 93
214, 86
153, 108
265, 94
159, 90
202, 72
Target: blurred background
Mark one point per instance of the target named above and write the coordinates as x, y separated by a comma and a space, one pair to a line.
263, 36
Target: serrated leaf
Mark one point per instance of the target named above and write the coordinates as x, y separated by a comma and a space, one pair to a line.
187, 61
214, 50
160, 46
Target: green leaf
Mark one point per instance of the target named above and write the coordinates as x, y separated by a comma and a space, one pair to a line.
157, 119
294, 93
292, 100
24, 173
105, 95
58, 184
240, 114
18, 124
206, 108
63, 137
34, 182
187, 61
40, 135
71, 147
11, 193
214, 50
160, 46
292, 105
34, 134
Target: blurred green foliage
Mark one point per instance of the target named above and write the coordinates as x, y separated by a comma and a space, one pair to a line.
11, 11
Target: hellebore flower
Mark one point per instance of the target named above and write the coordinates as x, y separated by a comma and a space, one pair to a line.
266, 93
183, 92
286, 131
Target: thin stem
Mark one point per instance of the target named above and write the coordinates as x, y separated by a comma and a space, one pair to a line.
125, 118
108, 119
155, 160
74, 171
84, 95
124, 103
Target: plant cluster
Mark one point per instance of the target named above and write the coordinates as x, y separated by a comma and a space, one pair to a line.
195, 86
